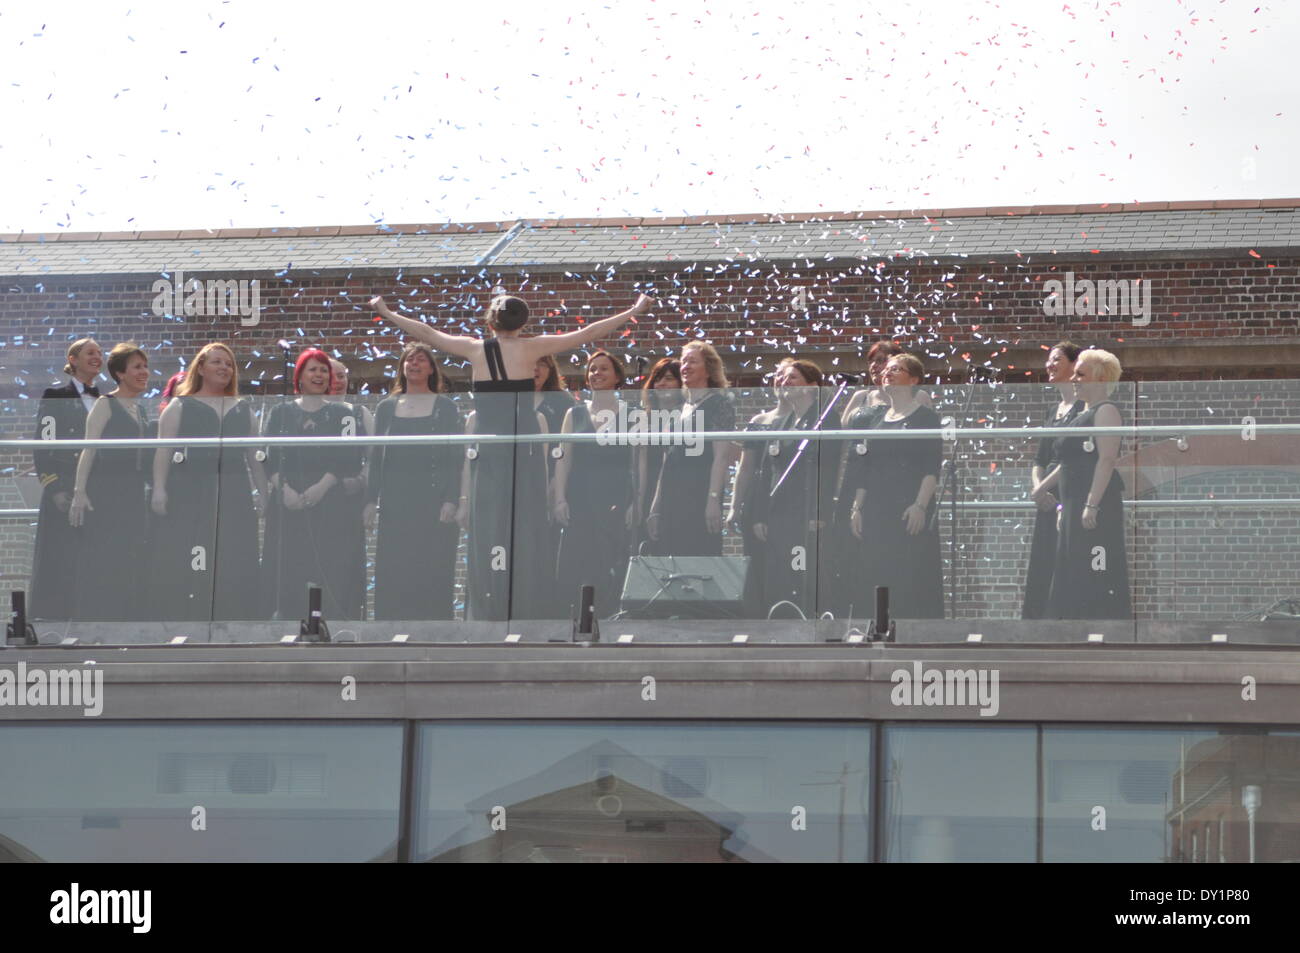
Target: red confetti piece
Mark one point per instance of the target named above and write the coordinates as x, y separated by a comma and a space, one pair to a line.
1254, 254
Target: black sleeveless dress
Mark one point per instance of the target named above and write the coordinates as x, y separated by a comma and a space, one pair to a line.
311, 546
415, 552
843, 562
787, 570
511, 571
1042, 547
1090, 577
891, 472
594, 546
115, 532
205, 549
684, 481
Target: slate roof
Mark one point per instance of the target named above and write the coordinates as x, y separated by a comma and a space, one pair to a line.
1148, 229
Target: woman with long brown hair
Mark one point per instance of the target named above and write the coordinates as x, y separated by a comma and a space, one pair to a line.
205, 527
661, 395
686, 513
413, 495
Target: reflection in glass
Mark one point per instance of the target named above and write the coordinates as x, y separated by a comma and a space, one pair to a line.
268, 792
546, 793
960, 794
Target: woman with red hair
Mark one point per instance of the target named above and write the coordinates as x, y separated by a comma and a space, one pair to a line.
307, 542
205, 516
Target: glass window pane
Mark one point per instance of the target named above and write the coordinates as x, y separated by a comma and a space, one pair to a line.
958, 793
268, 792
643, 793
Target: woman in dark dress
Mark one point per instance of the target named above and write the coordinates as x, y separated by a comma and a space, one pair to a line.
109, 500
661, 396
61, 416
507, 511
894, 484
686, 513
307, 539
594, 491
842, 560
354, 491
413, 493
204, 534
1090, 578
1042, 549
779, 511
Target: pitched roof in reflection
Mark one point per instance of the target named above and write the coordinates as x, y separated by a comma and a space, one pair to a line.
12, 852
602, 804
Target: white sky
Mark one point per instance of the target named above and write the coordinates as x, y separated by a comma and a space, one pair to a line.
122, 116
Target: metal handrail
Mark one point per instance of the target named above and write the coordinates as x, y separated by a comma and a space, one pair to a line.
667, 437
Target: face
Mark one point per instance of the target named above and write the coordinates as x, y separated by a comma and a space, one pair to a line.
788, 377
340, 385
136, 376
695, 373
1087, 378
217, 370
315, 378
87, 362
1059, 367
667, 381
541, 371
601, 374
876, 368
417, 369
896, 375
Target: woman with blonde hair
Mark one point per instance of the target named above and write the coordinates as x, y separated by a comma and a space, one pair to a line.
1090, 576
686, 513
205, 528
61, 416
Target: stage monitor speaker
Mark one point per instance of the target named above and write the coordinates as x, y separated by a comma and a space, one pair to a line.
685, 587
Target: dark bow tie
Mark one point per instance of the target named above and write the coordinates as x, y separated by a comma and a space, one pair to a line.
92, 391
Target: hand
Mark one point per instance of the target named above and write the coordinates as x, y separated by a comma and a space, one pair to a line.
377, 302
77, 509
855, 522
713, 516
447, 513
914, 516
292, 500
313, 495
760, 532
561, 512
158, 502
370, 514
62, 501
1047, 501
652, 526
1089, 518
644, 305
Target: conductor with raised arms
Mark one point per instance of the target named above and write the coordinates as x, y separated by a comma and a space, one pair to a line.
508, 576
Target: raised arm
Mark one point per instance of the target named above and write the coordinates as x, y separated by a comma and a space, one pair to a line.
546, 344
460, 345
